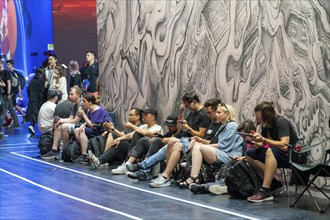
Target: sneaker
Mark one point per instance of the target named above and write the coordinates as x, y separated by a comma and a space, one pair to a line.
156, 169
140, 175
50, 155
198, 188
84, 159
218, 189
132, 167
261, 196
161, 181
31, 130
93, 160
120, 170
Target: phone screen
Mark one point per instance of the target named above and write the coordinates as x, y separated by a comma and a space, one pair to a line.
245, 134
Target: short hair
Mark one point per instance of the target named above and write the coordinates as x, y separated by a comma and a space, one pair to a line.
213, 103
246, 126
138, 112
189, 97
53, 55
77, 89
90, 98
90, 51
11, 62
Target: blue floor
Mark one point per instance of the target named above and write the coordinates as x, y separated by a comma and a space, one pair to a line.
36, 189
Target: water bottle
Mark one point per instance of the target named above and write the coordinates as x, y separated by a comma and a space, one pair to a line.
60, 152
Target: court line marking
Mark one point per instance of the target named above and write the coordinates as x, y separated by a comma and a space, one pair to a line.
143, 190
31, 143
69, 196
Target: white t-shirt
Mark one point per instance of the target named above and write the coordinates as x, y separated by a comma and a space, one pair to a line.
155, 128
46, 117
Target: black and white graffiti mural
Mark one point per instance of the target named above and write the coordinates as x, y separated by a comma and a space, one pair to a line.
244, 51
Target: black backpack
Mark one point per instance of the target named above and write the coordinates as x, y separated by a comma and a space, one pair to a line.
45, 143
97, 145
242, 181
71, 151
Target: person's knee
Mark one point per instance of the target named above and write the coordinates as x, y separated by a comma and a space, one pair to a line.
269, 153
177, 147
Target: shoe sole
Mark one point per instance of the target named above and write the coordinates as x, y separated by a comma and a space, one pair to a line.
218, 190
48, 158
268, 199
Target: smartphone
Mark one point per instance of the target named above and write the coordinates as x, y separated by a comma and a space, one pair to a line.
159, 135
245, 134
182, 122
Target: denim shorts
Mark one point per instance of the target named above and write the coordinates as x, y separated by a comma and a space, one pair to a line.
185, 144
281, 157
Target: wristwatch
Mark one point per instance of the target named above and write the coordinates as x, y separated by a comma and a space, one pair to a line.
189, 129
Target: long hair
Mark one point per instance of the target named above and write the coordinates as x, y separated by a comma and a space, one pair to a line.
74, 68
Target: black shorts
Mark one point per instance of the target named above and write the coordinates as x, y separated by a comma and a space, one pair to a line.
281, 157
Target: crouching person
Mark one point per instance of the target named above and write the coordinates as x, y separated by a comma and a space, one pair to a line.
95, 115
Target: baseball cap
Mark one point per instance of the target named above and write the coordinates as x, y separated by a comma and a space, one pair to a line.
171, 120
150, 111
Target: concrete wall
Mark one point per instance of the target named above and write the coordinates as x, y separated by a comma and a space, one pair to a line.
245, 52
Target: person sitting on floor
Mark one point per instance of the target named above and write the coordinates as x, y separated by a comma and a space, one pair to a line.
46, 112
141, 171
229, 145
276, 132
64, 127
95, 115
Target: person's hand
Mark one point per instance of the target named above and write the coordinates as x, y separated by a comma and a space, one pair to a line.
128, 125
257, 137
9, 97
197, 139
81, 111
116, 142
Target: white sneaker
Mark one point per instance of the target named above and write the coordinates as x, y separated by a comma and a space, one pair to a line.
218, 189
31, 130
160, 182
93, 160
120, 170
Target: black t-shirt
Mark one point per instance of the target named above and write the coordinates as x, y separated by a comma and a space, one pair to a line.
91, 72
5, 76
196, 120
63, 109
281, 128
212, 130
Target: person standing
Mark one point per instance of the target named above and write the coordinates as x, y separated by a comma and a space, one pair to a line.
2, 104
11, 90
36, 99
91, 72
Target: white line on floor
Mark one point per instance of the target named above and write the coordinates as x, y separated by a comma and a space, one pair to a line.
69, 196
143, 190
4, 146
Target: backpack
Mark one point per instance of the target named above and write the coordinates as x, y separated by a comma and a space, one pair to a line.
14, 79
71, 151
21, 79
242, 181
97, 145
45, 143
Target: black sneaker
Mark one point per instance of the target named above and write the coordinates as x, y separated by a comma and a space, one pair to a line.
132, 167
50, 155
198, 188
84, 159
31, 130
140, 175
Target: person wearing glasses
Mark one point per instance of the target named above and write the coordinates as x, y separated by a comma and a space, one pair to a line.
229, 145
195, 124
276, 132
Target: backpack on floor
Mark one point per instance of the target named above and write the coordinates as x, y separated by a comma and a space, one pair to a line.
71, 151
97, 145
242, 181
45, 143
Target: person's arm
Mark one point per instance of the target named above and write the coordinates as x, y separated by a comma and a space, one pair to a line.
140, 130
8, 89
19, 91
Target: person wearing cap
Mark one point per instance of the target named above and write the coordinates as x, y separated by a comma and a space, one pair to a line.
151, 147
149, 129
46, 112
64, 127
141, 169
112, 133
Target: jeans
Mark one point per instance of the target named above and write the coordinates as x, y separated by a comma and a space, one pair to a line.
147, 164
8, 106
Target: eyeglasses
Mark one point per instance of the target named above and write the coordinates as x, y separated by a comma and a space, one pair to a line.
130, 115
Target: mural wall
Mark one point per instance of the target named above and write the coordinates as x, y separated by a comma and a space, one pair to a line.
245, 52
